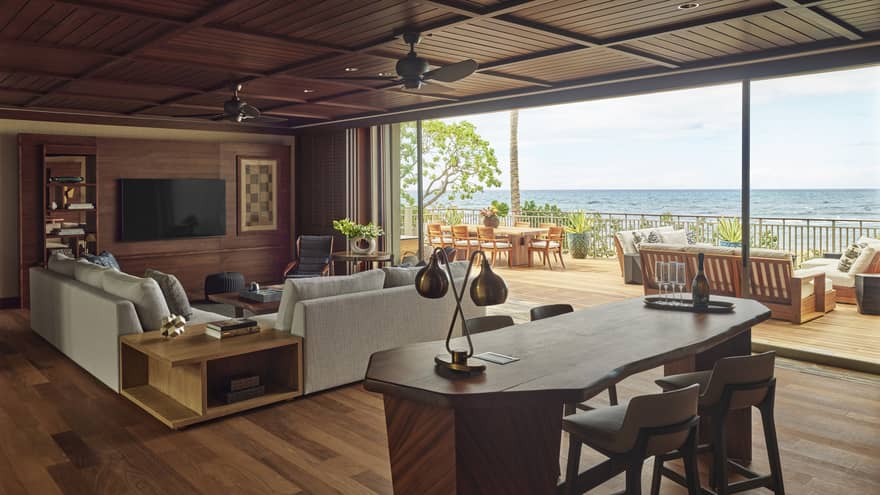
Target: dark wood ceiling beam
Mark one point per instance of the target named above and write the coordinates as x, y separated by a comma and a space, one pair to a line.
208, 16
825, 21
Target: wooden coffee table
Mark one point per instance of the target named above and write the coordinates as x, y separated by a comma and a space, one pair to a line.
241, 304
181, 381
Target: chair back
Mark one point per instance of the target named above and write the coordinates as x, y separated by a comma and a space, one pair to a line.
486, 234
522, 225
740, 370
313, 253
770, 280
436, 237
435, 229
461, 232
546, 225
549, 311
662, 421
555, 233
488, 323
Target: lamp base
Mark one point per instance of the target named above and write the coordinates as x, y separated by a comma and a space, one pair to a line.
462, 366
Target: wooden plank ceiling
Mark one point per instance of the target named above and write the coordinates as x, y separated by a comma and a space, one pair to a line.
170, 60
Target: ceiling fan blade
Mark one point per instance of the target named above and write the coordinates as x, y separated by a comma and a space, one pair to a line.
437, 84
201, 116
452, 73
249, 111
272, 117
362, 78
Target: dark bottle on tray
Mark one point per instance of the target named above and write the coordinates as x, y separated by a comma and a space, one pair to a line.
700, 287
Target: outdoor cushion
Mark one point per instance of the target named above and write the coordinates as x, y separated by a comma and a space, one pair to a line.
543, 244
840, 279
773, 254
849, 256
625, 237
499, 245
675, 237
302, 289
821, 263
90, 274
860, 264
473, 242
144, 293
437, 240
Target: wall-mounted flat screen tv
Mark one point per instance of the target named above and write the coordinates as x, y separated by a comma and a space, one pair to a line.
157, 209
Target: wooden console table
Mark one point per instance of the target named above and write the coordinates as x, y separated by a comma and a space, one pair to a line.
500, 432
179, 381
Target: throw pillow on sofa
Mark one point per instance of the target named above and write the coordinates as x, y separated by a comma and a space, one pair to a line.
861, 264
144, 293
103, 259
303, 289
675, 237
850, 255
399, 276
650, 237
173, 292
90, 274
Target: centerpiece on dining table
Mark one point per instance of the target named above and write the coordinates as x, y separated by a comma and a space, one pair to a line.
492, 213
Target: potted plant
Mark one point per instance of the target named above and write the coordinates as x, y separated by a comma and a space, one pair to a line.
577, 229
361, 238
729, 232
490, 216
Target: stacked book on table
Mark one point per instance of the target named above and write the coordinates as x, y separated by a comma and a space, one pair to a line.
231, 328
80, 206
244, 388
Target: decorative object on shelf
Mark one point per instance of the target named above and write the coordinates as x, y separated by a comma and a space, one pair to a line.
257, 194
487, 289
362, 239
173, 326
577, 230
66, 179
490, 216
53, 205
729, 232
253, 287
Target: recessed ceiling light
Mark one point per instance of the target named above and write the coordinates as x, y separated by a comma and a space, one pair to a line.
688, 6
351, 69
308, 90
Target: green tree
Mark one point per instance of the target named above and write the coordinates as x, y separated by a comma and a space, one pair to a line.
456, 161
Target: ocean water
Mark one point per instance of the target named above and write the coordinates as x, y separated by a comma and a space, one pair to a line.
790, 203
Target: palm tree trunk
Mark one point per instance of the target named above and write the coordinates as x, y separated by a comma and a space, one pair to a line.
514, 162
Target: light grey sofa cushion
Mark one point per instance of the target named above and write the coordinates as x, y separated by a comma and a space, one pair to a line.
144, 293
399, 276
172, 290
62, 264
201, 316
90, 274
303, 289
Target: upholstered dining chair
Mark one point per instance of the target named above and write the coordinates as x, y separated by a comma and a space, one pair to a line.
313, 254
551, 243
736, 382
488, 323
650, 425
438, 238
463, 241
492, 245
551, 310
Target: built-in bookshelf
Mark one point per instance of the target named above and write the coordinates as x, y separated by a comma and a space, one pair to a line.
70, 204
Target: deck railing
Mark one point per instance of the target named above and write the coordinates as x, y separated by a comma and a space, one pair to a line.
806, 237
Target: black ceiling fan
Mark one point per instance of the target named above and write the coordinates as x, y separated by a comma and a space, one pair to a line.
237, 110
412, 70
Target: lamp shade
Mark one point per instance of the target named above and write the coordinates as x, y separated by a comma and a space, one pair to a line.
488, 288
431, 281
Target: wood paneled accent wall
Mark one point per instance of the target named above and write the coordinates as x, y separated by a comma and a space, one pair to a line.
321, 182
259, 256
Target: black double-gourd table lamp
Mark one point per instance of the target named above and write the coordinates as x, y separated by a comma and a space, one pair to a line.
487, 289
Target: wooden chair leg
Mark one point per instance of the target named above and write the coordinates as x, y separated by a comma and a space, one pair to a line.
561, 259
573, 467
772, 442
719, 456
657, 475
493, 258
634, 478
691, 469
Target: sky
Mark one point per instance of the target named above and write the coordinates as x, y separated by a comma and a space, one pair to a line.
808, 132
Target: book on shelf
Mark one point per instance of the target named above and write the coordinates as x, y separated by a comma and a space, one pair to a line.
69, 231
245, 394
223, 334
243, 382
66, 179
231, 324
81, 206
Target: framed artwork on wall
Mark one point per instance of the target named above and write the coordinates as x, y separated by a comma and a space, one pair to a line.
257, 194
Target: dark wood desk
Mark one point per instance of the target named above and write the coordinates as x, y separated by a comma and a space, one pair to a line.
500, 432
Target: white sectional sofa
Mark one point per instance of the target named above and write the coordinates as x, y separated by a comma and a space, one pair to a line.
868, 261
82, 309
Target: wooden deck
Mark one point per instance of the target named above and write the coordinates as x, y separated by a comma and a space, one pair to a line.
842, 338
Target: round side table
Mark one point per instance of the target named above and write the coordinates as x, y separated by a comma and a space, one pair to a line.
355, 259
868, 293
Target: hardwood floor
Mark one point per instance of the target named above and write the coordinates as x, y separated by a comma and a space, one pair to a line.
842, 337
61, 431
